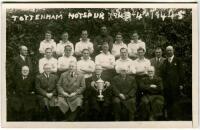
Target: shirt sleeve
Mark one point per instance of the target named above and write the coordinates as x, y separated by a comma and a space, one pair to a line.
59, 62
117, 66
129, 50
54, 46
41, 64
58, 49
133, 69
91, 48
55, 65
41, 48
72, 45
92, 66
77, 49
97, 61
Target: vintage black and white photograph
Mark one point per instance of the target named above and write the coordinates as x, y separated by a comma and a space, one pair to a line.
100, 62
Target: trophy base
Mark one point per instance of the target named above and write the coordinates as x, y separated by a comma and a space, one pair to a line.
100, 98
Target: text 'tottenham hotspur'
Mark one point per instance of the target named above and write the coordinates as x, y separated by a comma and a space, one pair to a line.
126, 16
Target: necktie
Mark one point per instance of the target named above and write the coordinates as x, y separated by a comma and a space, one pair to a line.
72, 74
98, 76
169, 59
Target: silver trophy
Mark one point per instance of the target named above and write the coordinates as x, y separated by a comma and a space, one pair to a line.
100, 87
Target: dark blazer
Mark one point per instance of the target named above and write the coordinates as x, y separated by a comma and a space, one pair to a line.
172, 73
173, 77
45, 85
128, 87
18, 63
145, 85
157, 65
23, 94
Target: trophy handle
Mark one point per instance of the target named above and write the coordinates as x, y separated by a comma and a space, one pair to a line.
95, 88
105, 86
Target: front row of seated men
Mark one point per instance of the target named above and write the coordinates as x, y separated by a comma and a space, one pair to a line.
71, 94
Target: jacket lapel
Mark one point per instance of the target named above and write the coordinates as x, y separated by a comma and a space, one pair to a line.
72, 79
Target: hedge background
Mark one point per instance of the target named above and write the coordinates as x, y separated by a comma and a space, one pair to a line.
154, 32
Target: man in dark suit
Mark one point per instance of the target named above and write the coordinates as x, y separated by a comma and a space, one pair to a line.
22, 60
22, 101
98, 110
152, 101
157, 61
47, 93
172, 75
124, 89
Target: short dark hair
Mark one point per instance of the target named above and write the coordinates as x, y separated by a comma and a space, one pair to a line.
158, 48
123, 49
119, 33
48, 32
67, 46
141, 48
85, 50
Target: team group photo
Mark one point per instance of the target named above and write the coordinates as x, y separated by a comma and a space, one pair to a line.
99, 64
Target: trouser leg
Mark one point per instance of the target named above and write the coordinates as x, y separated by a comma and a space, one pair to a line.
117, 108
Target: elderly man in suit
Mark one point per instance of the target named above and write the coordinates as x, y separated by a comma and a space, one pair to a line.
70, 87
22, 60
152, 100
124, 90
173, 78
157, 61
95, 106
22, 102
47, 92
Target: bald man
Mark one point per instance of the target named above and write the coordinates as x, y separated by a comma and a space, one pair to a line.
22, 102
22, 60
173, 78
152, 101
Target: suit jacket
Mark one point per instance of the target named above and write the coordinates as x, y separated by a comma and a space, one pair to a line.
145, 85
172, 73
23, 94
18, 63
70, 84
157, 65
45, 85
128, 87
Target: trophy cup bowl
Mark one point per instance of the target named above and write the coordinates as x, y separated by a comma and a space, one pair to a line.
100, 87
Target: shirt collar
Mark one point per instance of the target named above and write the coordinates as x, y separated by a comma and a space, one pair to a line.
108, 53
85, 41
132, 41
127, 59
23, 57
